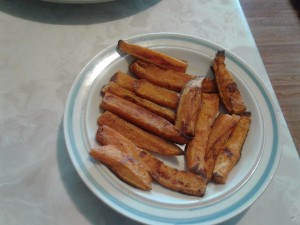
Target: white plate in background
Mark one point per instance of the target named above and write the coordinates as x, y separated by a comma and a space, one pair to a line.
77, 1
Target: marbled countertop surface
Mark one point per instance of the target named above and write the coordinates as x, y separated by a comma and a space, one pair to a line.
44, 46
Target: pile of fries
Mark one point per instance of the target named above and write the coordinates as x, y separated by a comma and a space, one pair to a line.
162, 107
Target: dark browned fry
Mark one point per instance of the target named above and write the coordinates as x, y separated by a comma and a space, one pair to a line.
156, 94
152, 56
118, 90
143, 118
195, 149
138, 136
178, 180
230, 151
228, 89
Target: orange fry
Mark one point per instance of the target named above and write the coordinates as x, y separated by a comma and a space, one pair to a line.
156, 94
124, 166
118, 90
138, 136
228, 89
189, 106
124, 80
167, 78
143, 118
221, 130
230, 152
171, 178
195, 149
152, 56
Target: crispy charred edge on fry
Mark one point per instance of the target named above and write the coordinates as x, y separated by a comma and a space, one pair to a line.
247, 114
219, 58
200, 171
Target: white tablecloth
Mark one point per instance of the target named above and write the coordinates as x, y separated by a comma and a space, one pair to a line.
44, 46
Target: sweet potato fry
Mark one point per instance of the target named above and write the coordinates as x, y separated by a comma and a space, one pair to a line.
230, 151
228, 89
167, 78
176, 180
195, 149
156, 94
121, 92
210, 158
220, 132
126, 167
143, 118
152, 56
189, 106
139, 137
209, 86
124, 80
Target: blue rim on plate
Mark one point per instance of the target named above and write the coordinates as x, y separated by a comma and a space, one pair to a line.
250, 178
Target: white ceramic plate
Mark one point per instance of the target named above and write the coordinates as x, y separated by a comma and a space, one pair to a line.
77, 1
260, 156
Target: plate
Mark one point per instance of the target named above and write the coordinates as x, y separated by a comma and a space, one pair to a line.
77, 1
247, 181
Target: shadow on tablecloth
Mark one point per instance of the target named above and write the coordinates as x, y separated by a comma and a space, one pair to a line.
74, 14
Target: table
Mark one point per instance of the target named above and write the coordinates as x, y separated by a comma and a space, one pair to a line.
43, 47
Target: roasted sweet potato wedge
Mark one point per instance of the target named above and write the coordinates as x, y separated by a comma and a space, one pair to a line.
152, 56
121, 92
143, 118
220, 132
178, 180
171, 178
167, 78
228, 89
156, 94
124, 80
138, 136
209, 86
230, 151
126, 167
195, 149
189, 106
